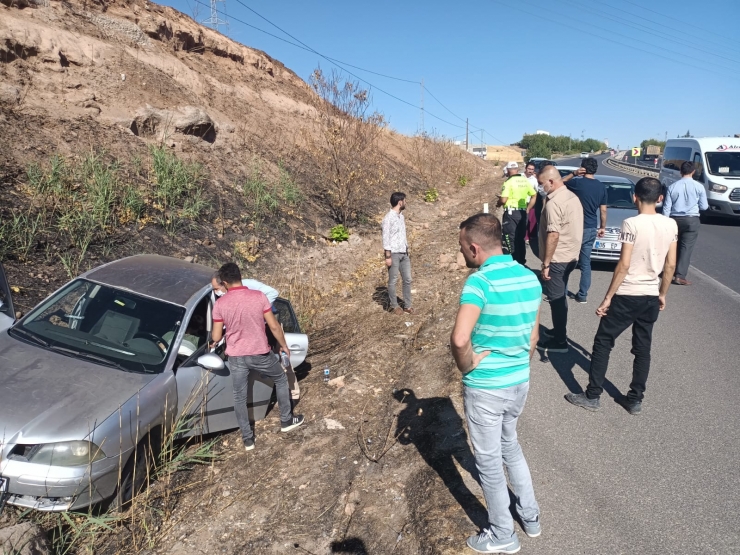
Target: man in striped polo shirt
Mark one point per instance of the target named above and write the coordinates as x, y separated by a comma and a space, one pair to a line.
495, 334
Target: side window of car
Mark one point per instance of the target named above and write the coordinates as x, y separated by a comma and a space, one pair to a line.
699, 174
195, 339
285, 315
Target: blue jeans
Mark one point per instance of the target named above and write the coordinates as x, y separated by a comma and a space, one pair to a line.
584, 261
492, 415
268, 365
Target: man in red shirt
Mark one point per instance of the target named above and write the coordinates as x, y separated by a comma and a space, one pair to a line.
243, 312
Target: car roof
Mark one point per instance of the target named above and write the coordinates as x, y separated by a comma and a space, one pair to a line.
160, 277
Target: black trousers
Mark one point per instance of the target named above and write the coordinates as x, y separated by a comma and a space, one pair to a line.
640, 312
514, 230
534, 234
556, 289
688, 233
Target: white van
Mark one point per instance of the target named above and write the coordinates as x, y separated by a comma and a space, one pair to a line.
717, 161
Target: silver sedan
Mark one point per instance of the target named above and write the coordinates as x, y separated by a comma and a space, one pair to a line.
102, 370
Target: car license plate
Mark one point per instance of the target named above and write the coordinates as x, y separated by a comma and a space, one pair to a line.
3, 484
606, 245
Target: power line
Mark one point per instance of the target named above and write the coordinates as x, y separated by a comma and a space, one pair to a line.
644, 29
631, 46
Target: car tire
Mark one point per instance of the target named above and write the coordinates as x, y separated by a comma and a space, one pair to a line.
136, 474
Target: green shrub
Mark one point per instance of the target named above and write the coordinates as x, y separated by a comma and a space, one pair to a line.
339, 233
431, 195
462, 180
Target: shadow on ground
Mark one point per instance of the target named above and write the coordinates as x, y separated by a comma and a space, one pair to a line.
434, 427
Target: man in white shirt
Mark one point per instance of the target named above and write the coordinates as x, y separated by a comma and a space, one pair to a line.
396, 249
635, 297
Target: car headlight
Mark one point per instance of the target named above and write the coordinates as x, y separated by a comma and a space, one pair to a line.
67, 453
717, 188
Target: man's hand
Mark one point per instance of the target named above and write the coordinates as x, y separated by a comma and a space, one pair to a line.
600, 232
603, 307
580, 172
476, 360
389, 262
661, 300
546, 273
284, 349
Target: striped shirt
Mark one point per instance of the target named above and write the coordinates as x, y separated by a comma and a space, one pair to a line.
509, 296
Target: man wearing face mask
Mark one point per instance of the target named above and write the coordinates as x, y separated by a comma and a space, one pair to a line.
561, 233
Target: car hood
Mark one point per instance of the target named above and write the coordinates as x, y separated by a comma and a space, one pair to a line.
47, 397
615, 216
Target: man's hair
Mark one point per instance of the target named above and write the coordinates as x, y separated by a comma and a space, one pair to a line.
396, 198
648, 190
229, 273
530, 164
217, 277
687, 168
546, 163
590, 165
484, 230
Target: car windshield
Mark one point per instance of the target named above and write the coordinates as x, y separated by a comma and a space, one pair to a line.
619, 195
725, 164
109, 326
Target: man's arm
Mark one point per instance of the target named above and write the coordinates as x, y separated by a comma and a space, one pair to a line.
535, 337
703, 203
668, 269
277, 331
551, 244
602, 215
667, 202
576, 173
460, 340
620, 272
217, 332
386, 227
532, 201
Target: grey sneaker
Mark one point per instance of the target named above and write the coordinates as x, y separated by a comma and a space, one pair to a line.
486, 542
632, 407
532, 528
580, 400
291, 424
249, 444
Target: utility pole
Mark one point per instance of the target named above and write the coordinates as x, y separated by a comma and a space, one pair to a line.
422, 105
481, 138
214, 21
466, 134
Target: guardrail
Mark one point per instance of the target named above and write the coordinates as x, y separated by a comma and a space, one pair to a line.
631, 168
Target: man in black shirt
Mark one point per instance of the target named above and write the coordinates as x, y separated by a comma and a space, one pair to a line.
592, 194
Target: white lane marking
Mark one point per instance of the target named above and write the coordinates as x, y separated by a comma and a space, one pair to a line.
721, 286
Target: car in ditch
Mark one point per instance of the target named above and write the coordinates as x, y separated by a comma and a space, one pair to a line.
100, 372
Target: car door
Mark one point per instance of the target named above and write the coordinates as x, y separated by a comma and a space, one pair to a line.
204, 396
297, 341
7, 313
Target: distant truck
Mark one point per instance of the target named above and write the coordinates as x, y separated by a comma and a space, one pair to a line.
651, 153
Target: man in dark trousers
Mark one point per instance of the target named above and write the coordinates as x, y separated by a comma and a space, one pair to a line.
635, 297
592, 194
244, 312
683, 201
518, 197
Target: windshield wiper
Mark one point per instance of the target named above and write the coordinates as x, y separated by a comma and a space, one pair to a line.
90, 356
30, 335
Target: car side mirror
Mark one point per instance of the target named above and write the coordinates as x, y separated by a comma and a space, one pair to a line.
211, 361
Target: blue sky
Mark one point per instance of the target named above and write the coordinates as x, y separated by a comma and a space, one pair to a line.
605, 68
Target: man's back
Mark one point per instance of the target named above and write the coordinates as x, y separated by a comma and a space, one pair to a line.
516, 189
651, 236
592, 194
685, 197
242, 312
509, 296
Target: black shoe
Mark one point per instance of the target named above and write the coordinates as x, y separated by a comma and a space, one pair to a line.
291, 424
552, 346
249, 444
576, 298
580, 400
632, 407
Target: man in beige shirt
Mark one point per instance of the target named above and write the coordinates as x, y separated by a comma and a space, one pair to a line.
635, 297
561, 234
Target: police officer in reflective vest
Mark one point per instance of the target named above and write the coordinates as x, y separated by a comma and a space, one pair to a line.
518, 197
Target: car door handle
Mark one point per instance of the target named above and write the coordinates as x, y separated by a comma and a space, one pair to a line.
296, 348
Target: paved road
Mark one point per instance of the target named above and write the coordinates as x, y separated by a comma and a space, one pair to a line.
663, 482
715, 253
